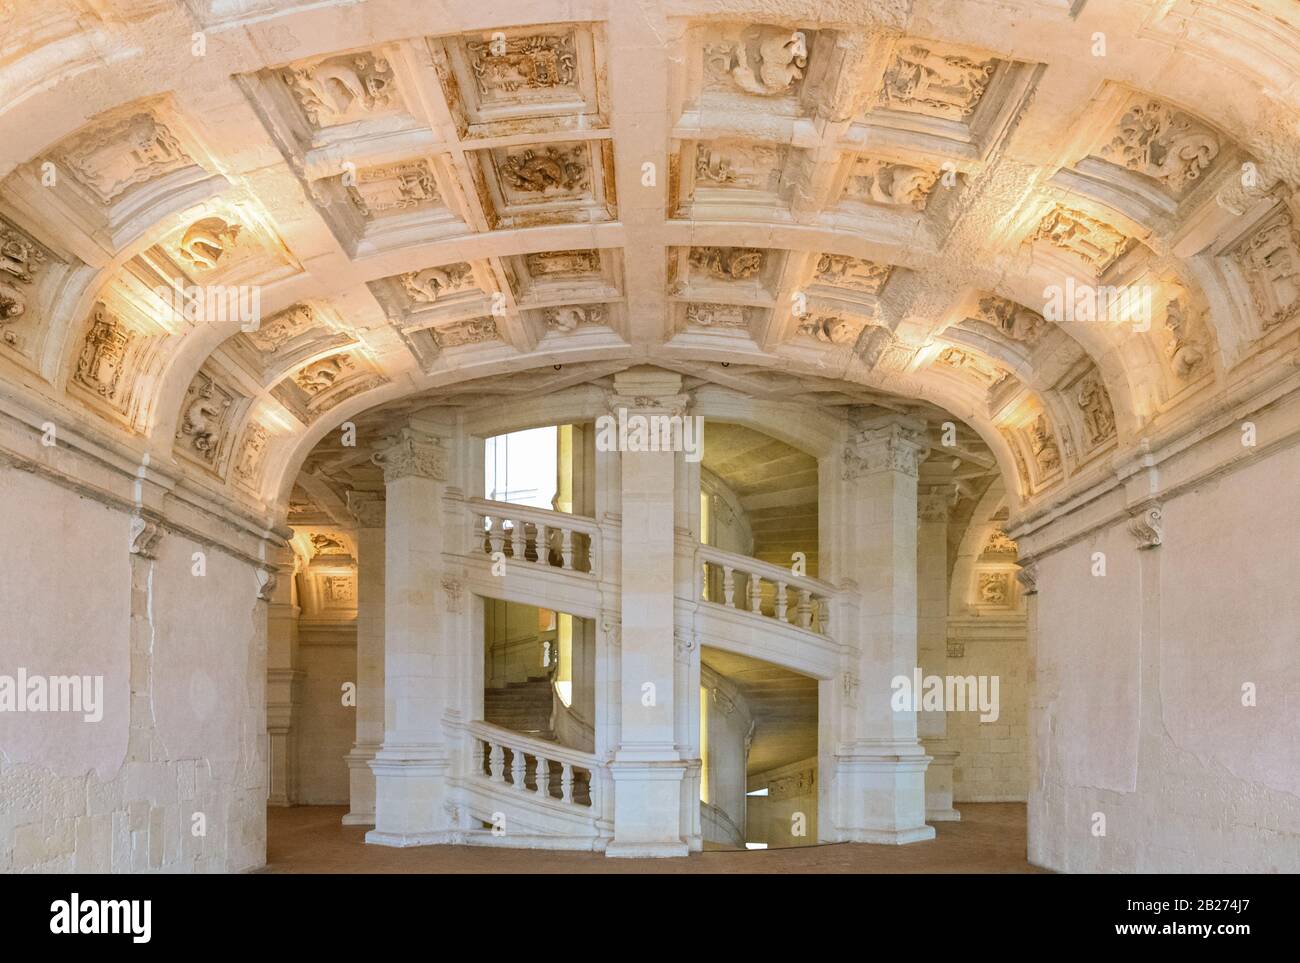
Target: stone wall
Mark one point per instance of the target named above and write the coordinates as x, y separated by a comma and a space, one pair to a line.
327, 726
1136, 713
992, 764
181, 743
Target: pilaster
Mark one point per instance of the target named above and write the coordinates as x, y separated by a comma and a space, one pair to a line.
368, 509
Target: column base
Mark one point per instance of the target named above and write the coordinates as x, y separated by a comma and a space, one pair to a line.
938, 786
361, 786
647, 807
410, 792
880, 794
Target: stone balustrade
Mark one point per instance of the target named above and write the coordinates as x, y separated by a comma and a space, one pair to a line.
533, 535
748, 585
532, 767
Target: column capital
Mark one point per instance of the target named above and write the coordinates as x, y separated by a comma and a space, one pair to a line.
889, 446
368, 508
412, 453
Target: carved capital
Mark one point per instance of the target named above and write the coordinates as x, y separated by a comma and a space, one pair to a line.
891, 447
1146, 527
412, 453
368, 508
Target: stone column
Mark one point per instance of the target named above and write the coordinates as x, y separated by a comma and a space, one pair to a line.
411, 767
368, 509
648, 767
880, 768
283, 681
932, 645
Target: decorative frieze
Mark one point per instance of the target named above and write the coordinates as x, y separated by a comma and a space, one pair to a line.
412, 453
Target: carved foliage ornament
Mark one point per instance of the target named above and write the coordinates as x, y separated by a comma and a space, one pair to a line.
411, 453
889, 448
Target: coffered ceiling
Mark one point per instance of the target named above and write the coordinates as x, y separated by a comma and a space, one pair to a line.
228, 226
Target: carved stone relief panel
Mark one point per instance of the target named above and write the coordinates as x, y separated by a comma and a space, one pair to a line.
322, 384
22, 265
532, 78
569, 318
972, 364
115, 155
1163, 143
438, 284
1269, 259
831, 329
207, 418
731, 165
114, 358
727, 263
342, 89
756, 60
469, 332
932, 79
251, 455
1094, 242
394, 189
1013, 321
559, 182
1097, 416
851, 273
873, 180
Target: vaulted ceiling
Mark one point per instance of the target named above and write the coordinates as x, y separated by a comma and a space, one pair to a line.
227, 226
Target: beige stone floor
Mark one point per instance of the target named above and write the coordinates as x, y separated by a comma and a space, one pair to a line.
989, 839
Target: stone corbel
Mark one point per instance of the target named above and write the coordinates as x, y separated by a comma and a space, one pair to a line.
145, 535
268, 579
1146, 526
412, 453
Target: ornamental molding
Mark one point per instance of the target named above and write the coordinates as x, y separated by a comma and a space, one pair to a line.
412, 454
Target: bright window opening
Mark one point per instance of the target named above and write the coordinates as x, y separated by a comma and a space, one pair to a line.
520, 467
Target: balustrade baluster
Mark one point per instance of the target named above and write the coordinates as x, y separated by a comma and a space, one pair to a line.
803, 611
496, 762
781, 601
566, 549
728, 585
755, 592
566, 782
518, 765
543, 777
496, 537
824, 615
518, 540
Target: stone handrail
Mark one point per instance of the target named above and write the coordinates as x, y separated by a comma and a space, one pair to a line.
795, 599
533, 535
513, 760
